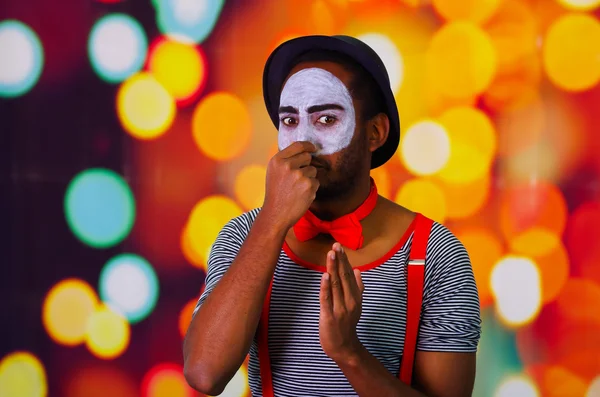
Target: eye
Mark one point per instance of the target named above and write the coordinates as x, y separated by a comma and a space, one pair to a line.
327, 119
288, 121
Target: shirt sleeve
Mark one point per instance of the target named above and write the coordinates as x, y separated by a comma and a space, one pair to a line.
451, 318
222, 254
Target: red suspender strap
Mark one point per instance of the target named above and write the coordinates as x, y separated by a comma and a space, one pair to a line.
264, 359
415, 281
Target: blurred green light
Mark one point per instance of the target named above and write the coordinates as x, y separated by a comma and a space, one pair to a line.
189, 21
99, 207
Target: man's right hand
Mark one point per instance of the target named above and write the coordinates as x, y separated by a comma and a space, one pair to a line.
291, 184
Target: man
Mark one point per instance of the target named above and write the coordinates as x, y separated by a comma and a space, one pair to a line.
314, 284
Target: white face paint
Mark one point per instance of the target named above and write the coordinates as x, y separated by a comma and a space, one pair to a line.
315, 106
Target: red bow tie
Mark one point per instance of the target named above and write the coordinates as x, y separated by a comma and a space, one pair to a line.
346, 230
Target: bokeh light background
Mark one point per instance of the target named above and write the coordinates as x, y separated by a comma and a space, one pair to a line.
133, 130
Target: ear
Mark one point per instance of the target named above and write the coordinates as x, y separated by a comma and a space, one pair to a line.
378, 129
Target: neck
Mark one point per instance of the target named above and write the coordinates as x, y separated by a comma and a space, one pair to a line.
328, 210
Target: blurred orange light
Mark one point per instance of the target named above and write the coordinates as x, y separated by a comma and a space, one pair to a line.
530, 204
250, 186
461, 60
521, 125
514, 33
145, 108
179, 67
381, 176
572, 52
580, 300
221, 126
476, 11
485, 249
556, 381
67, 309
185, 317
166, 380
464, 200
423, 196
100, 381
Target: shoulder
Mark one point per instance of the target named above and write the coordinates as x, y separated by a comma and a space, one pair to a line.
237, 228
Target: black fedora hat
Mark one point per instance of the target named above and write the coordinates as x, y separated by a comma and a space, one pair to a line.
282, 59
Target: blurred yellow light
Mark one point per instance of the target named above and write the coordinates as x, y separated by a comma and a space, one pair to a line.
178, 66
485, 249
461, 60
107, 333
476, 11
472, 144
535, 241
516, 287
582, 5
425, 148
571, 53
423, 196
594, 388
389, 54
238, 385
188, 251
250, 186
465, 199
144, 106
517, 385
383, 181
206, 221
67, 308
22, 375
221, 126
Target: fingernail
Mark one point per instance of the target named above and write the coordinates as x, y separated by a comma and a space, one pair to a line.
326, 276
332, 255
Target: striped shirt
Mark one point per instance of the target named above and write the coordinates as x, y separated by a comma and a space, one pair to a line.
450, 319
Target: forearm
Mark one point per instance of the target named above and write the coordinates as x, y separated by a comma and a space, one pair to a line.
222, 330
370, 378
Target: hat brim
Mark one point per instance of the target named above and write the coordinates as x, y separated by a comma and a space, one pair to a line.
281, 61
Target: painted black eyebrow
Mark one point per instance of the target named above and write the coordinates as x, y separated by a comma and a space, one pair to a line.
288, 109
327, 106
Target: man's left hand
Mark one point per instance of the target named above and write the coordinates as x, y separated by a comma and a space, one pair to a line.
341, 304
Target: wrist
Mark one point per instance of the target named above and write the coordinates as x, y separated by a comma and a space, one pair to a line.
351, 357
275, 227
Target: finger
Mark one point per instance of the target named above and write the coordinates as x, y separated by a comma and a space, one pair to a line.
297, 147
359, 282
325, 295
346, 273
336, 286
299, 160
309, 171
